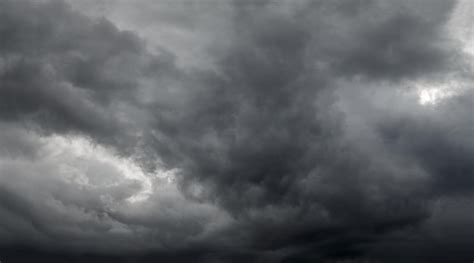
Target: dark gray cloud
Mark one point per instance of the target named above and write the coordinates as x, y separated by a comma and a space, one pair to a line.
400, 44
288, 144
67, 72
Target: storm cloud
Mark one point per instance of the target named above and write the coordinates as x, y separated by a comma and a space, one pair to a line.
228, 131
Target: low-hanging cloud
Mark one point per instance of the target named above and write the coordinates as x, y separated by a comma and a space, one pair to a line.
296, 136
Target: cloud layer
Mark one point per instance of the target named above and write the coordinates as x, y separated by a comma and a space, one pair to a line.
222, 131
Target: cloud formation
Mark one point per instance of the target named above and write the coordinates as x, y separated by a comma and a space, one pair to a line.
273, 131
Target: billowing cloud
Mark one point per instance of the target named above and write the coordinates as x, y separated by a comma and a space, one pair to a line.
222, 131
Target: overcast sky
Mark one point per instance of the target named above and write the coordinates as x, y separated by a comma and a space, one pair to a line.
236, 131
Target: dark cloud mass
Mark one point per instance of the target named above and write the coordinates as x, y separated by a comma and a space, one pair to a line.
230, 131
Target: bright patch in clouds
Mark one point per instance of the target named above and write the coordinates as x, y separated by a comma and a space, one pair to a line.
461, 28
91, 165
431, 96
432, 93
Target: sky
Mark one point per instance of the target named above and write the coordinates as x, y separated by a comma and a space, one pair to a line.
236, 131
